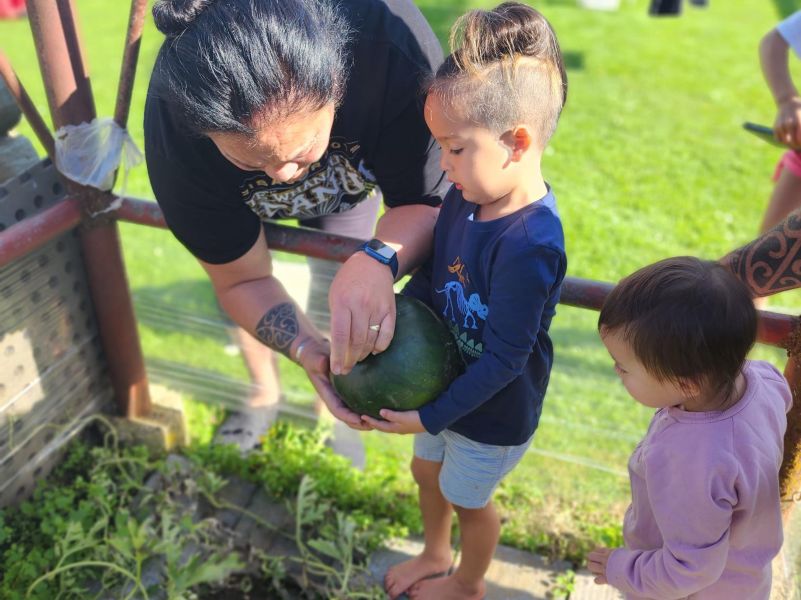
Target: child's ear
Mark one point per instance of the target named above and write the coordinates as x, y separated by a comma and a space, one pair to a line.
519, 141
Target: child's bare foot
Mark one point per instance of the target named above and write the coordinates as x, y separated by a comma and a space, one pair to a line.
402, 576
447, 588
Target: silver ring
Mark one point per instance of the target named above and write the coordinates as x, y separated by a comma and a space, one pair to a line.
374, 327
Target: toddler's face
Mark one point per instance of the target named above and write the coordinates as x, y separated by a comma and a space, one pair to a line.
476, 160
641, 385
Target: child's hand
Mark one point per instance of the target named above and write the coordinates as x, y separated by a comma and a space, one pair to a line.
596, 563
787, 128
407, 421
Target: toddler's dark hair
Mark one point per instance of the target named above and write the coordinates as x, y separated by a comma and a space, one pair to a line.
685, 319
505, 69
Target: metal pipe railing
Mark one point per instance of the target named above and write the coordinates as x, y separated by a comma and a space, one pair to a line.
34, 232
774, 328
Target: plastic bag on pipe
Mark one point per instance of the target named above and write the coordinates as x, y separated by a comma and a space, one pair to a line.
91, 153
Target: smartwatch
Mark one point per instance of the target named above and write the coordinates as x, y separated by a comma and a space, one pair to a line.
382, 253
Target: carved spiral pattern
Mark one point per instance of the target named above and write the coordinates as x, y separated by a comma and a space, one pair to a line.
279, 327
771, 263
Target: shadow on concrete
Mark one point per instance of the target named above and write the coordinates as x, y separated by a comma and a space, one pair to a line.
513, 574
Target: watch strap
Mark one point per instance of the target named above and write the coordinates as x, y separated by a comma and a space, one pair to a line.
391, 261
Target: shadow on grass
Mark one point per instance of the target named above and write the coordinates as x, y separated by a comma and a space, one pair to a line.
187, 306
574, 61
577, 350
441, 18
786, 7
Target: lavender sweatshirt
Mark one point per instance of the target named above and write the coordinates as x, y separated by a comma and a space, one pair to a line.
704, 520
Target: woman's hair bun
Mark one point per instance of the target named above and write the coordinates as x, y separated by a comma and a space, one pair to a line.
172, 17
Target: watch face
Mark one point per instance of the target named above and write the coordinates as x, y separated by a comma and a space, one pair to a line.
381, 249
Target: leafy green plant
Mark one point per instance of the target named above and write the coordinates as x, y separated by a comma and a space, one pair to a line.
330, 555
382, 502
110, 520
563, 587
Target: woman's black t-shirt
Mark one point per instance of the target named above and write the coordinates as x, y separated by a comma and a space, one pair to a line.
379, 138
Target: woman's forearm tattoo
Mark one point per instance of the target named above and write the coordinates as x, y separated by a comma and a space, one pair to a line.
772, 262
279, 327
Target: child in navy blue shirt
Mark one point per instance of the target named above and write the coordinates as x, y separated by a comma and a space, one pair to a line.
495, 275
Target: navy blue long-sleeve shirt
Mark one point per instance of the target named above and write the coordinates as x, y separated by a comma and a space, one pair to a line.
496, 283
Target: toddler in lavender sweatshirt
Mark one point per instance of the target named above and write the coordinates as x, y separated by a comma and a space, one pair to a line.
704, 520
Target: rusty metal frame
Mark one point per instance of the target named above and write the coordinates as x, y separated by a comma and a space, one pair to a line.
69, 94
130, 57
70, 99
27, 106
26, 236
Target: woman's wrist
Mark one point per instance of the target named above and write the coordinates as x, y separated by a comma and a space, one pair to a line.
299, 349
791, 97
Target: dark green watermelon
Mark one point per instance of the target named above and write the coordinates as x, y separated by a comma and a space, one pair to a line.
419, 364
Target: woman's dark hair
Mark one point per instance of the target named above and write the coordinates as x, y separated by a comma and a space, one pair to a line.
226, 62
685, 319
505, 68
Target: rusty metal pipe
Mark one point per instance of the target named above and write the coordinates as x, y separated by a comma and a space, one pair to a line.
69, 95
22, 238
297, 240
790, 474
27, 106
584, 293
774, 328
61, 61
130, 56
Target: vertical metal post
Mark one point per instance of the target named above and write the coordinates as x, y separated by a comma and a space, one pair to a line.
26, 105
130, 57
69, 95
790, 475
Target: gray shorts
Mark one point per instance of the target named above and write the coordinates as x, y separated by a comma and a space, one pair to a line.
470, 470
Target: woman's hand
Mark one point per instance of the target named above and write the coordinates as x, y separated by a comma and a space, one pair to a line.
362, 304
787, 128
314, 360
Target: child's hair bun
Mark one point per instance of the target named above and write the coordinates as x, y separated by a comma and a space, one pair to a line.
507, 32
172, 17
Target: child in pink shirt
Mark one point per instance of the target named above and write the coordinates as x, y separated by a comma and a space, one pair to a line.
704, 520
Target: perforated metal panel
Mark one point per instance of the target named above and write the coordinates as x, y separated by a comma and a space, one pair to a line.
52, 370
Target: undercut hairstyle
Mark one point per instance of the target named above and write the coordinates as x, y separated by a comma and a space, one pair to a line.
685, 319
230, 65
505, 69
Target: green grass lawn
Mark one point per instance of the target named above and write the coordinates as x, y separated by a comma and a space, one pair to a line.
649, 161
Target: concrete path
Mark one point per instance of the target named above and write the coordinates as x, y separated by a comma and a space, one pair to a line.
513, 574
584, 588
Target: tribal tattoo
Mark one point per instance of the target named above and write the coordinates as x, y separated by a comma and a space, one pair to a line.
772, 262
279, 327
